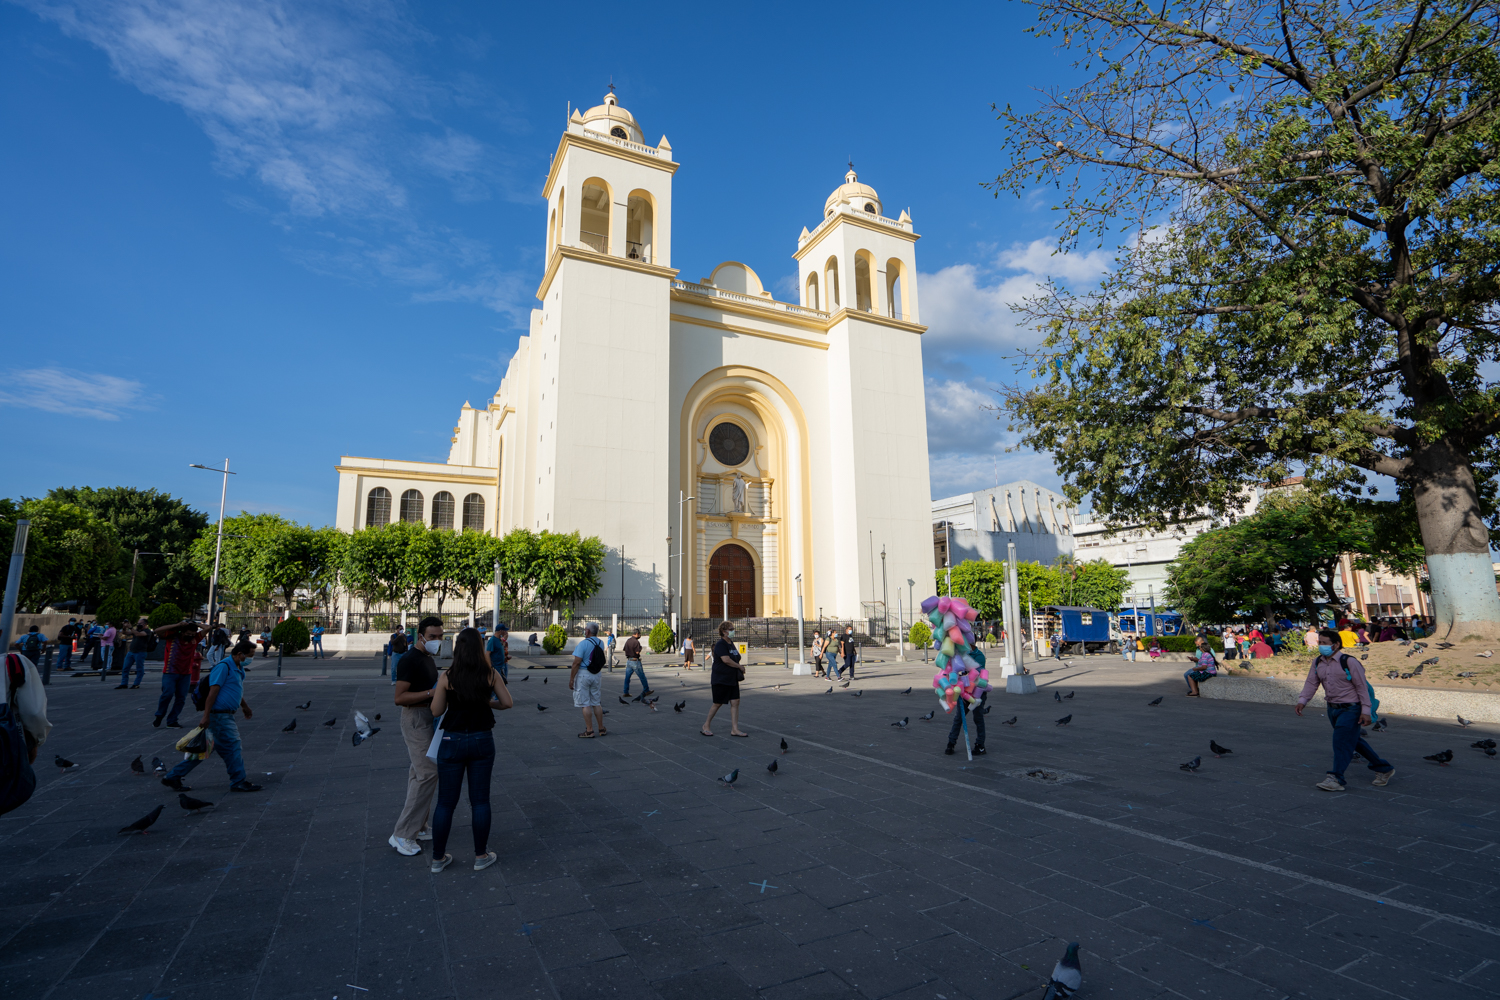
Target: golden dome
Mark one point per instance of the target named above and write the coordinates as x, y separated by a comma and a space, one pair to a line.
859, 196
609, 116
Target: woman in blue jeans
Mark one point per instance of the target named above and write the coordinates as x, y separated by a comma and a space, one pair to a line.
466, 697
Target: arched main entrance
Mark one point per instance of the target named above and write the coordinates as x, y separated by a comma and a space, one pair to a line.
732, 564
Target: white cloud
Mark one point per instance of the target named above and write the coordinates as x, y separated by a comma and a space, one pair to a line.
100, 397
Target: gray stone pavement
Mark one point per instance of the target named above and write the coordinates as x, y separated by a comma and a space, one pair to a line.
870, 866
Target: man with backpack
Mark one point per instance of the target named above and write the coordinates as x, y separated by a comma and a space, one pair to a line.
587, 687
33, 643
1342, 678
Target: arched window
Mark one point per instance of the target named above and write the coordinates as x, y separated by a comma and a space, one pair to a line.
378, 507
831, 282
640, 219
551, 233
811, 298
896, 305
473, 512
442, 510
619, 133
593, 223
863, 298
869, 207
411, 505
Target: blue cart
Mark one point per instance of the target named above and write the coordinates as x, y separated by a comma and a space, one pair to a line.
1083, 630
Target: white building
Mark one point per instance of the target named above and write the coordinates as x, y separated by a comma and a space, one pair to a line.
981, 525
799, 428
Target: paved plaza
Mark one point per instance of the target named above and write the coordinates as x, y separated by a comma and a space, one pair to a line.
870, 865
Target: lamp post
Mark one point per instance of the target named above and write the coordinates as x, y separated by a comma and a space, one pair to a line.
13, 581
213, 582
681, 548
885, 596
801, 641
136, 558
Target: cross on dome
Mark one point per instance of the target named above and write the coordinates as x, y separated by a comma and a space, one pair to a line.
858, 196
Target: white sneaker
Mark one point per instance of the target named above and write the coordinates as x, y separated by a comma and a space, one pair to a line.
404, 846
438, 864
1331, 784
1382, 780
424, 834
480, 864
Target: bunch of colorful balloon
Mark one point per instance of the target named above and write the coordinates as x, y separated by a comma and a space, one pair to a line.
961, 670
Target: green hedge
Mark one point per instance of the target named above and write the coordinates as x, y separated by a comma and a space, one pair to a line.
291, 635
165, 614
1173, 643
118, 608
920, 635
660, 638
554, 639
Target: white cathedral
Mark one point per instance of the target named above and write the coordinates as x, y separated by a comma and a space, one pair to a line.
797, 430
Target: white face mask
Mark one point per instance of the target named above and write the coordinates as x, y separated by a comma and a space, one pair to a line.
433, 646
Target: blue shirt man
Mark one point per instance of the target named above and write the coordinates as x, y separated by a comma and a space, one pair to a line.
317, 642
226, 695
499, 655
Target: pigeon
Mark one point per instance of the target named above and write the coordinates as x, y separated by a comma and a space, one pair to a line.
844, 685
771, 767
1489, 752
331, 722
1010, 721
144, 823
1218, 750
540, 707
1057, 696
61, 761
137, 766
1486, 654
1467, 673
905, 720
907, 691
289, 727
1191, 765
359, 738
1430, 661
377, 716
783, 745
544, 680
1393, 674
731, 777
1406, 677
1445, 645
1069, 695
191, 804
1419, 645
1065, 720
830, 689
1404, 642
362, 723
1483, 745
679, 706
526, 677
623, 699
157, 765
1440, 758
1365, 657
986, 710
1067, 977
1464, 722
1156, 702
929, 715
305, 705
858, 694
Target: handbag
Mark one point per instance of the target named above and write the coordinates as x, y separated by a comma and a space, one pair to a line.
17, 778
437, 737
196, 740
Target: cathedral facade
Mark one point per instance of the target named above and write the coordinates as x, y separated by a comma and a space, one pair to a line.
729, 449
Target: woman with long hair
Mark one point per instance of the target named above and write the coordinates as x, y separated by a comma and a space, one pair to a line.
466, 697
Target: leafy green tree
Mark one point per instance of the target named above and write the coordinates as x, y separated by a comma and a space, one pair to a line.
288, 557
241, 574
148, 521
920, 635
70, 553
519, 563
981, 583
1038, 585
554, 639
1098, 584
119, 606
471, 563
427, 565
660, 638
375, 561
291, 635
165, 614
1314, 190
568, 567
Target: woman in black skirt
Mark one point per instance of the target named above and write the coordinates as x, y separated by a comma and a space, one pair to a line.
725, 681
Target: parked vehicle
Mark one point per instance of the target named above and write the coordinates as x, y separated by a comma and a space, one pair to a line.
1083, 630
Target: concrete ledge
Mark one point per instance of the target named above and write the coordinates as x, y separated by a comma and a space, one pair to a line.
1478, 706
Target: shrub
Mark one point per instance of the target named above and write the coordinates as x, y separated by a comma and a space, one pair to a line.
165, 614
660, 639
920, 635
118, 607
554, 639
291, 635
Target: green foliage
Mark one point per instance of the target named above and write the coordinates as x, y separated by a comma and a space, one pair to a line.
470, 557
375, 561
1038, 584
149, 521
70, 553
118, 608
1174, 643
920, 634
165, 614
1318, 288
554, 639
518, 563
291, 635
981, 583
1094, 584
568, 567
244, 534
1097, 584
660, 638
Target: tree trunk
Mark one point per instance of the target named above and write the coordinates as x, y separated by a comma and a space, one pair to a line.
1459, 565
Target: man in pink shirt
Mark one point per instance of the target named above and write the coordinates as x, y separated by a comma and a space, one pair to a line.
1343, 680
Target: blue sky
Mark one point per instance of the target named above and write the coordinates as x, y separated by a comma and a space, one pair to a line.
285, 232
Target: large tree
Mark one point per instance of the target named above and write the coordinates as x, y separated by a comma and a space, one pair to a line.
568, 567
1314, 192
148, 521
70, 553
289, 557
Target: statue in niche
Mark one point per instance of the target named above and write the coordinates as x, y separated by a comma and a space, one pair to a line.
738, 491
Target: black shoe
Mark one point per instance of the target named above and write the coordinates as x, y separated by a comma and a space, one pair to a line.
121, 687
175, 784
174, 725
949, 751
244, 786
156, 722
979, 750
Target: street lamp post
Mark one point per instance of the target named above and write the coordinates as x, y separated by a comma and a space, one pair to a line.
801, 641
885, 596
681, 548
213, 583
136, 558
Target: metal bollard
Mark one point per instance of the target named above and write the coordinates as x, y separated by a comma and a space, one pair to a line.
786, 656
47, 667
278, 661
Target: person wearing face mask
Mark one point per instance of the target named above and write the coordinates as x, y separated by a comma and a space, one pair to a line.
1348, 695
226, 695
724, 681
416, 676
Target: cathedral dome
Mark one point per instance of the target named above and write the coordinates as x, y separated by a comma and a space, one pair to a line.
611, 119
860, 196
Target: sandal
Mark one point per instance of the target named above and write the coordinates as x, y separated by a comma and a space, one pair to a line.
702, 733
603, 732
587, 735
743, 736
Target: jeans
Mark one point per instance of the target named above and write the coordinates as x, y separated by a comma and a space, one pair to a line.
226, 734
833, 667
105, 653
65, 656
317, 644
1346, 740
173, 686
849, 666
978, 715
501, 666
634, 667
1196, 675
460, 754
139, 659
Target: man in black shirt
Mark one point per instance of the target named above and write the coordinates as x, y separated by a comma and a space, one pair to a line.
416, 675
849, 648
65, 637
142, 641
724, 681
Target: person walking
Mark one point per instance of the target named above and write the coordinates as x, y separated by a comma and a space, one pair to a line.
1207, 667
142, 641
65, 637
587, 687
179, 669
609, 644
466, 697
1231, 645
687, 653
497, 646
633, 663
226, 695
107, 645
416, 675
817, 654
850, 649
1347, 692
317, 642
33, 644
958, 720
90, 655
724, 681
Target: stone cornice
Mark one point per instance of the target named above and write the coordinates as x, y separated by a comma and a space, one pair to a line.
594, 257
